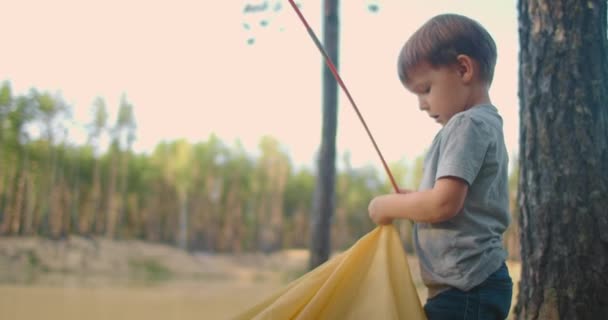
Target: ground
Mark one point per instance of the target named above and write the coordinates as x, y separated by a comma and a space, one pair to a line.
93, 279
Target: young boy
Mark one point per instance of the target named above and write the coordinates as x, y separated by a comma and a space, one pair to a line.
461, 209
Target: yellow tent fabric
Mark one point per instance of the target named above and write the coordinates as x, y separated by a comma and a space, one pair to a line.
371, 280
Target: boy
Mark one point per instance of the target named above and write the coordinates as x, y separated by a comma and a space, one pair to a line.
462, 208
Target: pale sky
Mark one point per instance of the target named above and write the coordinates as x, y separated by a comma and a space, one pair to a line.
186, 67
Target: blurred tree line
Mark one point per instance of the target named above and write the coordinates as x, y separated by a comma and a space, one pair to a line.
200, 196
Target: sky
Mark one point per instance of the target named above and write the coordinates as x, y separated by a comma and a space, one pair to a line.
189, 69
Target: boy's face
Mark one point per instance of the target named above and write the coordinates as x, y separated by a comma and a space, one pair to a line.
442, 91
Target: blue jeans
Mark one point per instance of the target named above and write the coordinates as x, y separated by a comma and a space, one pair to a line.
489, 300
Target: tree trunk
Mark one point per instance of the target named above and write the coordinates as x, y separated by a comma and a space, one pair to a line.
323, 205
182, 238
51, 198
5, 224
112, 206
3, 170
30, 199
18, 205
123, 210
563, 159
75, 210
56, 214
232, 217
95, 218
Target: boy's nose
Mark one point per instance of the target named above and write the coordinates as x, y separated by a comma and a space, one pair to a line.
422, 105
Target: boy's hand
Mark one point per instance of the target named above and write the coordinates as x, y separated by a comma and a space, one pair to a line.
375, 213
404, 191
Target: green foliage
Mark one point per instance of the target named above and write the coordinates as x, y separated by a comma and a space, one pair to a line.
298, 192
180, 167
99, 121
124, 130
224, 197
354, 191
6, 96
33, 262
149, 270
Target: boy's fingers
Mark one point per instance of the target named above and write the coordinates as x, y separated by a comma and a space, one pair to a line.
405, 191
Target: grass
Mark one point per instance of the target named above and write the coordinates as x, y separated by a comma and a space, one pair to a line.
34, 263
149, 270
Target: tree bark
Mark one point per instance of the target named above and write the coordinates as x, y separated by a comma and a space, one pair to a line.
182, 237
18, 205
7, 216
123, 209
96, 223
323, 204
112, 205
563, 183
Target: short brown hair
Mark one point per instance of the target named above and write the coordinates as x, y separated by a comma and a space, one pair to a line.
440, 40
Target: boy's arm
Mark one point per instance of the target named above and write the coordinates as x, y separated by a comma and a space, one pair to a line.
439, 204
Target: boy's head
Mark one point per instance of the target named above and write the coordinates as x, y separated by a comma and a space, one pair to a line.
449, 64
442, 39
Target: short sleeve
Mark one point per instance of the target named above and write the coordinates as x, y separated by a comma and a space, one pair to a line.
463, 148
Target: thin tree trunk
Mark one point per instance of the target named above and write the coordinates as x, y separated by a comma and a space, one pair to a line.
182, 239
238, 231
112, 206
55, 217
97, 217
227, 234
301, 226
73, 208
2, 195
17, 217
323, 206
2, 172
261, 225
66, 204
7, 216
563, 159
28, 224
151, 216
52, 196
277, 202
123, 210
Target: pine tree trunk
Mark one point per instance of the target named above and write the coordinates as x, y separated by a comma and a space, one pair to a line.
95, 223
563, 183
76, 213
5, 224
55, 216
3, 169
278, 194
112, 205
182, 239
123, 209
18, 205
28, 224
323, 206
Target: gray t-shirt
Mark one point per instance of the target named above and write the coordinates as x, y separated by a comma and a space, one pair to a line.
463, 251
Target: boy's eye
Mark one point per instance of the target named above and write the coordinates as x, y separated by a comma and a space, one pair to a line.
425, 90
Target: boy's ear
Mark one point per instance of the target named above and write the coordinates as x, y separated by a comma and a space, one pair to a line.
466, 67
